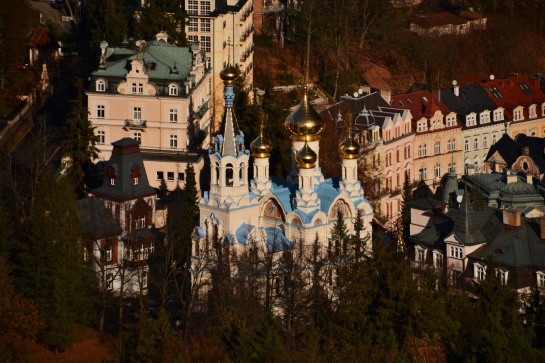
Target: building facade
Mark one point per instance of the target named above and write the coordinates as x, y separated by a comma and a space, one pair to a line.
118, 223
159, 95
225, 30
273, 214
437, 140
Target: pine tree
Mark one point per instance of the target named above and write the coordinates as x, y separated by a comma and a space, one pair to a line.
338, 242
162, 15
405, 221
80, 139
108, 22
49, 267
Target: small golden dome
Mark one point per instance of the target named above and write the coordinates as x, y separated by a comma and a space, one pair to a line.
349, 147
260, 147
306, 157
305, 121
229, 74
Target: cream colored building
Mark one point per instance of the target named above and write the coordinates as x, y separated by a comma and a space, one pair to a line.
224, 29
158, 94
437, 142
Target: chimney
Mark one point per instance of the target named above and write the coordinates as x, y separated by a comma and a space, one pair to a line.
512, 217
456, 88
530, 179
541, 221
512, 177
386, 94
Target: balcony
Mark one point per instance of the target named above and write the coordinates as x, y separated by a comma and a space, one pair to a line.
135, 123
273, 8
200, 113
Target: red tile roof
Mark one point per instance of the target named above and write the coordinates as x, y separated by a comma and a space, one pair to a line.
509, 93
439, 19
41, 38
420, 103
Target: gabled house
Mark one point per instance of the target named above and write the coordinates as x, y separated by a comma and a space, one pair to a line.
118, 222
437, 140
43, 47
521, 98
482, 122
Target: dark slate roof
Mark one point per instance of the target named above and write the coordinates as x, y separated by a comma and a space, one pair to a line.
506, 147
466, 229
126, 157
223, 8
434, 236
472, 98
427, 203
366, 110
96, 220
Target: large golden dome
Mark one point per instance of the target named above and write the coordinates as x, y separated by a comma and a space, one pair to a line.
304, 121
306, 157
229, 74
349, 147
260, 147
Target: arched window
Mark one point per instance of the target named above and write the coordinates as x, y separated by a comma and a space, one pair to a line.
229, 175
217, 173
466, 145
485, 142
494, 139
101, 86
437, 148
475, 144
172, 90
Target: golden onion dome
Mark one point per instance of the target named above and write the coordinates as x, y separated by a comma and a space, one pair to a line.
229, 74
306, 157
260, 147
349, 147
305, 120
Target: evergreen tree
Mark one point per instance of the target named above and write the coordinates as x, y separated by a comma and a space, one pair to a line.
338, 242
80, 139
49, 267
162, 15
108, 22
405, 221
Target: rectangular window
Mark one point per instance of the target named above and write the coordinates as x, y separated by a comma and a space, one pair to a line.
205, 25
134, 88
160, 175
193, 7
480, 273
420, 254
100, 111
137, 136
437, 171
540, 279
140, 88
456, 252
101, 137
181, 177
170, 176
205, 7
437, 148
135, 181
193, 25
173, 114
438, 260
108, 253
101, 86
137, 113
193, 38
174, 141
205, 43
110, 281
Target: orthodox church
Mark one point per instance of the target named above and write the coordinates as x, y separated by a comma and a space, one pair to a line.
270, 210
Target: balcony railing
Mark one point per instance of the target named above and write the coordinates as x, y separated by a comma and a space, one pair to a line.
135, 123
200, 113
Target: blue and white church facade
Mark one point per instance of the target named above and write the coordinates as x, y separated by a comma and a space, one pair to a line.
268, 211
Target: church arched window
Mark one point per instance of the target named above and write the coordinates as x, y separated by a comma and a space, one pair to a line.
229, 175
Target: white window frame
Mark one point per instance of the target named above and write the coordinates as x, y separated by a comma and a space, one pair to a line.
476, 143
420, 254
135, 181
133, 88
494, 139
173, 141
540, 279
205, 43
438, 259
532, 111
479, 272
140, 88
456, 252
193, 24
172, 90
437, 171
101, 111
437, 148
503, 275
170, 176
137, 113
101, 86
101, 137
108, 253
466, 145
193, 7
204, 8
173, 115
205, 25
137, 136
498, 114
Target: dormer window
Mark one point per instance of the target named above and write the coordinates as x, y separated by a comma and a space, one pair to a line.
135, 175
502, 275
532, 111
172, 90
498, 115
517, 115
540, 279
112, 176
420, 254
100, 86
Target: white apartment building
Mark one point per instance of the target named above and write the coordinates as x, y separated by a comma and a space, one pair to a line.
159, 95
224, 29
